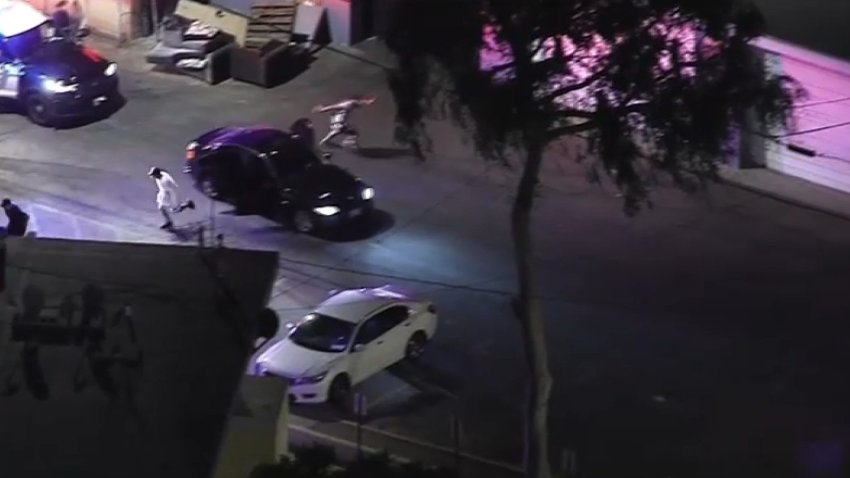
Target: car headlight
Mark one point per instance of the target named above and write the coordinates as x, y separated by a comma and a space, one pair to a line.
58, 86
311, 379
111, 69
367, 193
326, 210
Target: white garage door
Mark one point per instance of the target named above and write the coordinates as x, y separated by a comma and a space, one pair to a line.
818, 147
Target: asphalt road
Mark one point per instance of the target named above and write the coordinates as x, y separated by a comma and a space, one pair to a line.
707, 337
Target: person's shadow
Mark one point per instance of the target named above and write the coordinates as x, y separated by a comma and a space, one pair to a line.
187, 232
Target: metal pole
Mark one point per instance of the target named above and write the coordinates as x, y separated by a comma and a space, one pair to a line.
456, 438
359, 411
568, 463
155, 21
212, 217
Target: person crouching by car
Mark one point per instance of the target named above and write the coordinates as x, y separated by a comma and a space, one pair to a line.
79, 26
18, 220
167, 199
61, 20
303, 132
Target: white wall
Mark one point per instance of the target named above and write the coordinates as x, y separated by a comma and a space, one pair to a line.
112, 18
339, 20
827, 81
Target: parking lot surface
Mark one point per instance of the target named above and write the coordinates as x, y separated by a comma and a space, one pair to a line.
706, 334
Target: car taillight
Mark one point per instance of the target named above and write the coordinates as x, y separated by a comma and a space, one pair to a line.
191, 151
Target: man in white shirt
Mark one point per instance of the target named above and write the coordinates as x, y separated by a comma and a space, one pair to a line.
339, 119
167, 199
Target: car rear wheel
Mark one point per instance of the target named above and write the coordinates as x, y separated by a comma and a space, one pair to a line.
303, 221
36, 109
339, 393
415, 346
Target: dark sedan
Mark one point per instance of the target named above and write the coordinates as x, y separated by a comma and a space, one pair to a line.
263, 169
51, 79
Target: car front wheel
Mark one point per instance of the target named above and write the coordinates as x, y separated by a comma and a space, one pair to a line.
339, 392
415, 346
303, 221
37, 111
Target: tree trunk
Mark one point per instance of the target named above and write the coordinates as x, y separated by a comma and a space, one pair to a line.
527, 308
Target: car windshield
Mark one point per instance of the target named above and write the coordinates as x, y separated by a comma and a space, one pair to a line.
322, 333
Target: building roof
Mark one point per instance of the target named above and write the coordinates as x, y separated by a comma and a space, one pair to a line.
819, 25
193, 360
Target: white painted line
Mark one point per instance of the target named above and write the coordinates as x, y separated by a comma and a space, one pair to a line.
442, 390
386, 396
414, 441
112, 227
340, 441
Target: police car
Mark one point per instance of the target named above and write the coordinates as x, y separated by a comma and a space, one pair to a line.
50, 78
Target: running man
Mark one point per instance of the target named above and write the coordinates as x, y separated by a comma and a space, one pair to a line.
339, 125
167, 199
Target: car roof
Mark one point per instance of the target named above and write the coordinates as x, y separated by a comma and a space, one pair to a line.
251, 137
354, 305
18, 16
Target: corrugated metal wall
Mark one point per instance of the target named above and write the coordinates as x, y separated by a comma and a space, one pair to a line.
818, 147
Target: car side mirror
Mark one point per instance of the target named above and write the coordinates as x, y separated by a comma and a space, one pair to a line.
83, 32
327, 156
358, 347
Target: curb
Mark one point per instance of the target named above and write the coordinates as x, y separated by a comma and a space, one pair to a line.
343, 442
442, 449
355, 53
784, 199
422, 446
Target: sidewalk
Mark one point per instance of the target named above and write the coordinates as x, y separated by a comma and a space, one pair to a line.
788, 189
342, 436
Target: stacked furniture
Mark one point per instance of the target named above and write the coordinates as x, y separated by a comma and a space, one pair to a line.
270, 55
193, 48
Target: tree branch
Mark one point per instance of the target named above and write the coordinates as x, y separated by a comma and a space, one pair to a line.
560, 91
575, 113
555, 133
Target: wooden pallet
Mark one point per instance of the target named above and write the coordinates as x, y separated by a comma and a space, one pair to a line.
272, 20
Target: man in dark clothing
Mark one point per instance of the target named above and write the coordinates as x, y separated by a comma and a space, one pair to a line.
18, 220
61, 20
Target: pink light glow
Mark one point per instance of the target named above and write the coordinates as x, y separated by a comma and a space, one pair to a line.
587, 61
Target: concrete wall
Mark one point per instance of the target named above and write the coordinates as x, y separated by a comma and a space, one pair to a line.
339, 20
113, 18
257, 431
827, 81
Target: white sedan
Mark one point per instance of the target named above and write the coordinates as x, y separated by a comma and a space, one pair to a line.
349, 337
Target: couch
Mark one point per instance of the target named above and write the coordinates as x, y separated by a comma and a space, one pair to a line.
271, 64
189, 47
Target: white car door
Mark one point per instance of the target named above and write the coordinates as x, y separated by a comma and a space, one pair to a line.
376, 344
367, 351
399, 325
